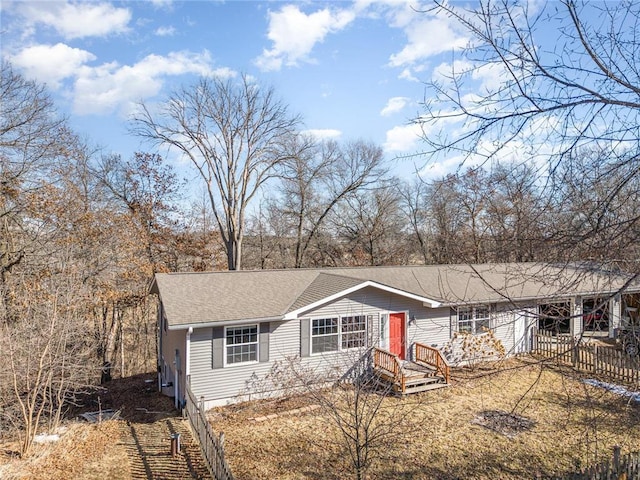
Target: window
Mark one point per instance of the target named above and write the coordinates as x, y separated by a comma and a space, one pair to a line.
324, 335
474, 320
333, 334
242, 344
353, 331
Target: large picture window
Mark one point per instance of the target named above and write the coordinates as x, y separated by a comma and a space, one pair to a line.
474, 320
338, 333
241, 344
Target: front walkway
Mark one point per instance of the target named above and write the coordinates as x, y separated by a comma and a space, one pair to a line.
148, 448
148, 420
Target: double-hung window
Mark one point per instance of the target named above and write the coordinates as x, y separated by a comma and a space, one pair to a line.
474, 319
338, 333
241, 344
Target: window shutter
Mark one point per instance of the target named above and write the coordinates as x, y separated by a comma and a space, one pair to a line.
263, 342
453, 315
305, 337
217, 345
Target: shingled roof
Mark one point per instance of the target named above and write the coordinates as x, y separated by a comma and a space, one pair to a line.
206, 298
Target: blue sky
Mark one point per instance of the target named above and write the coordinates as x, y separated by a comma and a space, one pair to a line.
353, 70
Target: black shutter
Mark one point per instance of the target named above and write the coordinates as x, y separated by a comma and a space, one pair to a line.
263, 342
217, 345
305, 337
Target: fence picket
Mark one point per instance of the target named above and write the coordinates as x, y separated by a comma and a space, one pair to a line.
212, 447
604, 361
617, 467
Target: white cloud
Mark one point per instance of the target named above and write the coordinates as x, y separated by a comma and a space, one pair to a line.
403, 139
165, 31
427, 37
51, 64
112, 87
394, 105
162, 3
78, 20
407, 74
294, 34
491, 76
322, 133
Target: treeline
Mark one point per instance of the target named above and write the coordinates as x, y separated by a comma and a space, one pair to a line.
82, 232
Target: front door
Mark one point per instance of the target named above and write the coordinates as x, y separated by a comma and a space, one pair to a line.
397, 334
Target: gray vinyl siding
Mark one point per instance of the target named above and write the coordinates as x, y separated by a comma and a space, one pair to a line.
234, 382
430, 326
173, 340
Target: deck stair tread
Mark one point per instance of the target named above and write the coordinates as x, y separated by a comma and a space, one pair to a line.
418, 378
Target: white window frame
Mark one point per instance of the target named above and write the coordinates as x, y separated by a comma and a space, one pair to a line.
227, 346
473, 319
341, 335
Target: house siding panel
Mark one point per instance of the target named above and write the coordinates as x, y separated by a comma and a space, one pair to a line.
173, 340
232, 383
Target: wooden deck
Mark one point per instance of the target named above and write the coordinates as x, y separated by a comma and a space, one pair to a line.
429, 370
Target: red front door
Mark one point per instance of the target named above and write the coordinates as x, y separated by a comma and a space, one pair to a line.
396, 334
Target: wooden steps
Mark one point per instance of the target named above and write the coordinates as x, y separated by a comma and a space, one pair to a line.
428, 372
417, 378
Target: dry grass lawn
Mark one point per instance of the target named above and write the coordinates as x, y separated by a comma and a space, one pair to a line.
441, 436
88, 452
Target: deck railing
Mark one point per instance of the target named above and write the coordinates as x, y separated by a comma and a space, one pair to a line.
390, 365
434, 358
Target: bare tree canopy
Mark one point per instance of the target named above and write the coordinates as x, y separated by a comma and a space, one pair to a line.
549, 105
235, 134
552, 98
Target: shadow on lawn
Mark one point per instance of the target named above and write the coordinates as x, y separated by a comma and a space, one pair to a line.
136, 397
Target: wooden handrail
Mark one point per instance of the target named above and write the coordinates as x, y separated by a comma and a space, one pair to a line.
390, 363
433, 357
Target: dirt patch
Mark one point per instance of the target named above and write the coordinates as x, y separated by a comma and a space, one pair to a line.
505, 423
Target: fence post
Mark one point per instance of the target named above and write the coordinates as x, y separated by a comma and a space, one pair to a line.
616, 459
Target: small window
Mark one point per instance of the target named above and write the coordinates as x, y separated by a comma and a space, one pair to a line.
474, 320
353, 331
324, 335
241, 344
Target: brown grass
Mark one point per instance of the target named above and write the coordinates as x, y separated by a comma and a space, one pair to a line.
574, 425
85, 451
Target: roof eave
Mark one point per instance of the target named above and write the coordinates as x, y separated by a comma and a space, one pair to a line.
292, 315
224, 323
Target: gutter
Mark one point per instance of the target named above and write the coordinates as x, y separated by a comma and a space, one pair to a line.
223, 323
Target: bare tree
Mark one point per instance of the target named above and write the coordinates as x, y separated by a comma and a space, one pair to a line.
235, 134
316, 183
417, 212
554, 100
517, 212
33, 138
147, 188
372, 227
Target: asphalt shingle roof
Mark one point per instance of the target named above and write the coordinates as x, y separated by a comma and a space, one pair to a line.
197, 298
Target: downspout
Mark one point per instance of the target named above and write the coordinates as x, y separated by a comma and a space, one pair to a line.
159, 331
187, 358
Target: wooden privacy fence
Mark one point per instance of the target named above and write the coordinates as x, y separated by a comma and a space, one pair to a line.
600, 360
212, 446
619, 467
